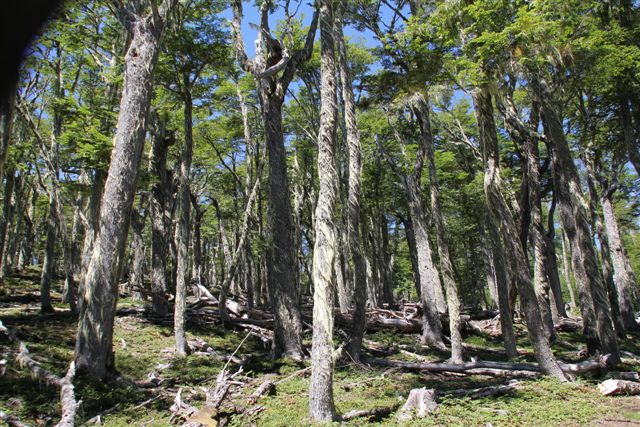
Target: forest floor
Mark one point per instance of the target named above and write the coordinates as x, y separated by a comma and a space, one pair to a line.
143, 348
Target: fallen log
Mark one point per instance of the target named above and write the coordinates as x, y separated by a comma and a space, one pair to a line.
267, 388
481, 392
370, 413
618, 387
11, 420
67, 394
467, 367
628, 376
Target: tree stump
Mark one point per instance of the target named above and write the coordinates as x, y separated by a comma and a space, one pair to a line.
419, 404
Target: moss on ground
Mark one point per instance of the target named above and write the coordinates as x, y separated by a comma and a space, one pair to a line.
143, 345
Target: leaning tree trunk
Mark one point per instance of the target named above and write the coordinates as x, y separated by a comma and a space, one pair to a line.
321, 406
499, 211
94, 352
432, 328
502, 285
421, 110
623, 275
575, 221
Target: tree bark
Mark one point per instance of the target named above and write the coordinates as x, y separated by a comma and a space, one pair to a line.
321, 406
573, 215
421, 110
183, 229
501, 216
94, 353
623, 276
274, 69
356, 265
160, 215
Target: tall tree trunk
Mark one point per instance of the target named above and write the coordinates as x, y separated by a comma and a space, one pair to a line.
432, 328
502, 284
7, 194
421, 110
136, 278
501, 216
623, 276
357, 266
274, 73
183, 228
321, 404
7, 110
160, 215
566, 271
574, 218
94, 352
280, 275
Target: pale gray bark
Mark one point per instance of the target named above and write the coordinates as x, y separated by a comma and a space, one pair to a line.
183, 229
321, 406
7, 195
356, 265
502, 287
531, 203
160, 214
566, 271
274, 68
623, 276
94, 352
574, 218
420, 107
136, 277
501, 215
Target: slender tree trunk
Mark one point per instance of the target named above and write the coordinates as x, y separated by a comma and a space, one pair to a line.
502, 283
7, 194
7, 111
432, 329
321, 404
136, 278
183, 228
94, 353
623, 276
501, 216
566, 274
160, 216
413, 251
357, 266
573, 215
421, 110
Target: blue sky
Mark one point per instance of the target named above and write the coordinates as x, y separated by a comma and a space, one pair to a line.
252, 16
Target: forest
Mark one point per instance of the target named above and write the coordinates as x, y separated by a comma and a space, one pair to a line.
312, 212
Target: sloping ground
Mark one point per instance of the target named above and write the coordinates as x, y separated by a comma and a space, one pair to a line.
151, 377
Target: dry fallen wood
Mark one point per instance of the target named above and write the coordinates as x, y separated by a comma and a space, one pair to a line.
616, 387
467, 367
267, 388
11, 420
481, 392
370, 413
67, 394
629, 376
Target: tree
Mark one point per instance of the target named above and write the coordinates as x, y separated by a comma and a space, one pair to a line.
321, 404
95, 330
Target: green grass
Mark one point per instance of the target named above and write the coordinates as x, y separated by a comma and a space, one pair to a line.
143, 346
